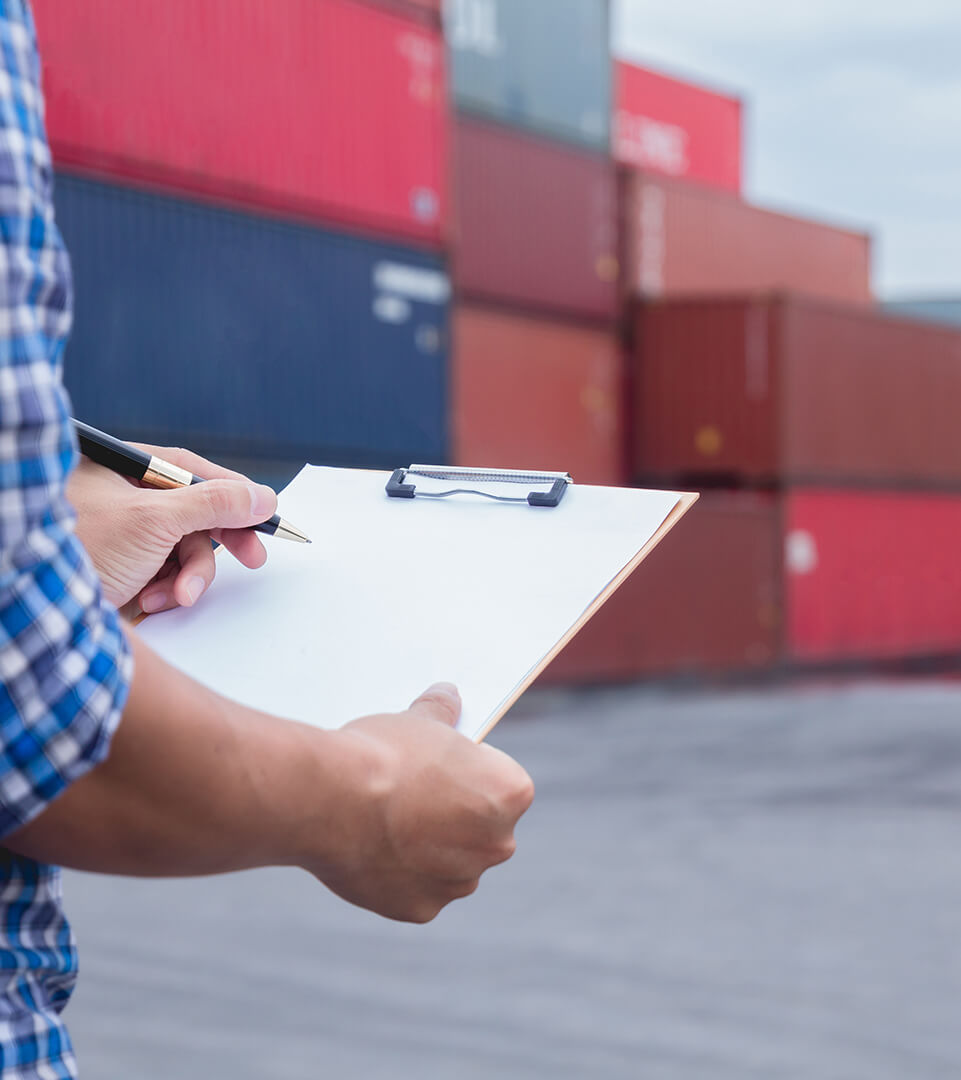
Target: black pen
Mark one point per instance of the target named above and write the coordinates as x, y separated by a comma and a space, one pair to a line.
121, 457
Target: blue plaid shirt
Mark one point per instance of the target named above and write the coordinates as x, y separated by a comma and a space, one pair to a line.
64, 662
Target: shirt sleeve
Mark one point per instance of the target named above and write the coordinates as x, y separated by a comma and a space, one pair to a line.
64, 662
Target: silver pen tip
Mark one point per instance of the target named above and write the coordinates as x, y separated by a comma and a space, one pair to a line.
286, 531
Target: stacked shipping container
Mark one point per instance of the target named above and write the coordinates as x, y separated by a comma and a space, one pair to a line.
255, 195
270, 340
755, 581
324, 336
537, 370
683, 240
784, 390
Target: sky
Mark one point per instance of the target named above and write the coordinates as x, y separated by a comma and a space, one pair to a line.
853, 113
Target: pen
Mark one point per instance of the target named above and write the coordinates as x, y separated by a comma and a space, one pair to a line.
121, 457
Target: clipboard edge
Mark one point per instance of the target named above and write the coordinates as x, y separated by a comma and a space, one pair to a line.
685, 500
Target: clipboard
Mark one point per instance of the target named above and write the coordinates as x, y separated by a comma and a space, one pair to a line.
462, 579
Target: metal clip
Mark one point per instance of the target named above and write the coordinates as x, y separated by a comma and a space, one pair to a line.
397, 488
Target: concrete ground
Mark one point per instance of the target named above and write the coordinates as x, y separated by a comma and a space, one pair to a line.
717, 886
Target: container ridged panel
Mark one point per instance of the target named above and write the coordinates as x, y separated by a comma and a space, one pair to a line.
686, 240
535, 393
536, 222
785, 390
241, 335
538, 64
872, 575
326, 108
708, 599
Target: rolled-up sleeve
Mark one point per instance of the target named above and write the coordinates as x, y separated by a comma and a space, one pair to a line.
64, 662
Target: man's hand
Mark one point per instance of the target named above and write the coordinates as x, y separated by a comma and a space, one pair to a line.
152, 548
435, 812
397, 813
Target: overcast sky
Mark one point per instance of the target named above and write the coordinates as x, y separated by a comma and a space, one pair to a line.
853, 113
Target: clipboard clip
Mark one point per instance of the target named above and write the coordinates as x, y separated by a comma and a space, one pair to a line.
398, 488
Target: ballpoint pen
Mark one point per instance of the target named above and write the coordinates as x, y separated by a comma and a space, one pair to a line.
121, 457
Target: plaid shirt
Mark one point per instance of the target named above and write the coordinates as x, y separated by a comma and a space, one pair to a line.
64, 663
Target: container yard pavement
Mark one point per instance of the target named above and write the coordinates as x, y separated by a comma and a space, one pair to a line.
743, 884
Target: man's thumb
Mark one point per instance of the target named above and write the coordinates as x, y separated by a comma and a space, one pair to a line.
221, 504
439, 702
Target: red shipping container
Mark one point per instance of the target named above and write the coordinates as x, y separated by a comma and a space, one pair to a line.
538, 394
789, 390
536, 222
707, 599
681, 240
749, 581
328, 109
872, 575
677, 129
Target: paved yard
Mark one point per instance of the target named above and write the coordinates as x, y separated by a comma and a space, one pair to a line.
709, 887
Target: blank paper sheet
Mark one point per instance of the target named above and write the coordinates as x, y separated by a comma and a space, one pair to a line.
396, 594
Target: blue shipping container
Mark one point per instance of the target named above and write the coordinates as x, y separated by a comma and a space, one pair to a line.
237, 335
943, 311
539, 64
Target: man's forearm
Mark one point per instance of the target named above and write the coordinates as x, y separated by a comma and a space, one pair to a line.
397, 812
195, 784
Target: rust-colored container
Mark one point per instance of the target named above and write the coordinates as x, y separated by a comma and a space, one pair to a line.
782, 389
872, 575
683, 239
537, 393
536, 222
707, 599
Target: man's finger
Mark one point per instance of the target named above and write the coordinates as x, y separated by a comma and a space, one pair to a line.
216, 504
193, 463
244, 544
159, 594
439, 702
197, 569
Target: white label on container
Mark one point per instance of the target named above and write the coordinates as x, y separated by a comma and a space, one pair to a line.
652, 144
424, 204
391, 309
800, 552
472, 26
412, 282
427, 339
424, 59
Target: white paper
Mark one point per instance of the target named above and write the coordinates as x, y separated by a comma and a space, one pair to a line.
396, 594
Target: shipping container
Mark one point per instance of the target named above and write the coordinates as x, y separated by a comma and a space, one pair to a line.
683, 239
667, 126
515, 243
706, 600
532, 393
782, 389
327, 109
764, 581
538, 64
235, 334
945, 311
872, 575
